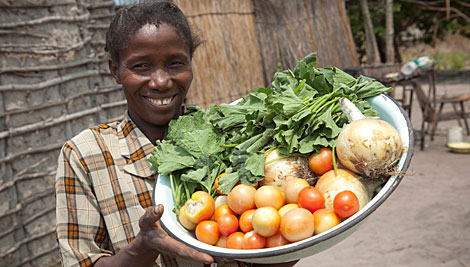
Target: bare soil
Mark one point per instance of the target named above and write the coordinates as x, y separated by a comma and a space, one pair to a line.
426, 221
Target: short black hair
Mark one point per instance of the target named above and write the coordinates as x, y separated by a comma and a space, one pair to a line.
130, 19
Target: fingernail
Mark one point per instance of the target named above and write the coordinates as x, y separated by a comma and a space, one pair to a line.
155, 211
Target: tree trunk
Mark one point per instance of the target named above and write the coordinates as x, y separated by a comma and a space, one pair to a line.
389, 31
372, 50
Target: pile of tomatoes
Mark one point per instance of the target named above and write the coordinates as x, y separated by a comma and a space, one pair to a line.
254, 218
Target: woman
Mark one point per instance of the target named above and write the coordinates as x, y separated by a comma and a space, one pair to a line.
104, 183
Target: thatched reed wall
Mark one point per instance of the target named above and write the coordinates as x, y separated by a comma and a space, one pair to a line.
289, 30
249, 40
54, 82
228, 65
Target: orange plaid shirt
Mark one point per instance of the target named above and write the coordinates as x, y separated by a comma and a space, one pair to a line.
103, 186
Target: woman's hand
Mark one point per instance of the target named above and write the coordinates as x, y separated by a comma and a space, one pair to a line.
154, 238
149, 242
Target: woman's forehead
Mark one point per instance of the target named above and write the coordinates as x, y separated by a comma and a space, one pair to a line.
150, 30
150, 39
147, 29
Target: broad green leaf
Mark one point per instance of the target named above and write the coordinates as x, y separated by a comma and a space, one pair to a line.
227, 182
187, 123
342, 78
255, 164
167, 158
196, 176
201, 142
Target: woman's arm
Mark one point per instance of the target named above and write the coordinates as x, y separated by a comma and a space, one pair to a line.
149, 242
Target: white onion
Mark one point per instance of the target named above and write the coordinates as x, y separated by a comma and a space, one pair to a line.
278, 172
368, 146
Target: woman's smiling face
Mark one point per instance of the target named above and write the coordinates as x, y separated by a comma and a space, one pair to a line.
155, 72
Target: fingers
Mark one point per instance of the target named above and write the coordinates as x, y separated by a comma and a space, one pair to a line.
192, 254
159, 239
170, 246
150, 217
223, 260
157, 211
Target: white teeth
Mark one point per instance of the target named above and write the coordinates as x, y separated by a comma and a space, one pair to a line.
160, 102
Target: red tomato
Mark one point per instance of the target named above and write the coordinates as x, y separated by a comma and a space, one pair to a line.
207, 232
223, 209
246, 220
276, 240
266, 221
252, 240
311, 199
346, 204
324, 220
241, 198
297, 224
227, 224
235, 240
321, 162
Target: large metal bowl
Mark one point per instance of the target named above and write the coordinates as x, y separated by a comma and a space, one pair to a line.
389, 111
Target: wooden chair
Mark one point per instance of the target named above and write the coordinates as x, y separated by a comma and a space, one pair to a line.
389, 74
432, 107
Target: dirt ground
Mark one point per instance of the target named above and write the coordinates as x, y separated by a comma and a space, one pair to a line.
426, 221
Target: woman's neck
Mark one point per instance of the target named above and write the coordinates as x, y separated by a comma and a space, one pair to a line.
152, 132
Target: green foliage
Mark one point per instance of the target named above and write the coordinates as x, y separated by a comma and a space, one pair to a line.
423, 15
451, 60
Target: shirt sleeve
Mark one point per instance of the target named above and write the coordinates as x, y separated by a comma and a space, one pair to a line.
80, 229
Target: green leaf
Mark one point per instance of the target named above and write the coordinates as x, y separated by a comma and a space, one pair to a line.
330, 125
187, 123
167, 158
312, 142
201, 142
227, 182
342, 78
246, 177
370, 87
255, 164
290, 103
196, 176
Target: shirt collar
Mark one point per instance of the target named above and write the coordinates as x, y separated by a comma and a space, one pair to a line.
135, 147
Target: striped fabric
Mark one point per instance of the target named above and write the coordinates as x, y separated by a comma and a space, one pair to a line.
103, 186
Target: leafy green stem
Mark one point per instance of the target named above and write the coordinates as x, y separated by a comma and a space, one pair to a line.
333, 155
275, 159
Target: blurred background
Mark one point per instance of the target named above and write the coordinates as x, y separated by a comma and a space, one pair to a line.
54, 78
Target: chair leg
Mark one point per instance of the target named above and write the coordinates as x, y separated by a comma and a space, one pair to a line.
435, 121
410, 104
422, 137
456, 110
464, 117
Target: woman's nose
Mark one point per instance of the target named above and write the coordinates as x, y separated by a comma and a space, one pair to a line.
160, 80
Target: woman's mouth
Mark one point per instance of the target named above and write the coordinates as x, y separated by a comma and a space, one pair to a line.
159, 101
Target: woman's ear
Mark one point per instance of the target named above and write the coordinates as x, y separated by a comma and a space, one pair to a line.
113, 67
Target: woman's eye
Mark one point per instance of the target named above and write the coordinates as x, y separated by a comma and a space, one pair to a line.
141, 67
176, 64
